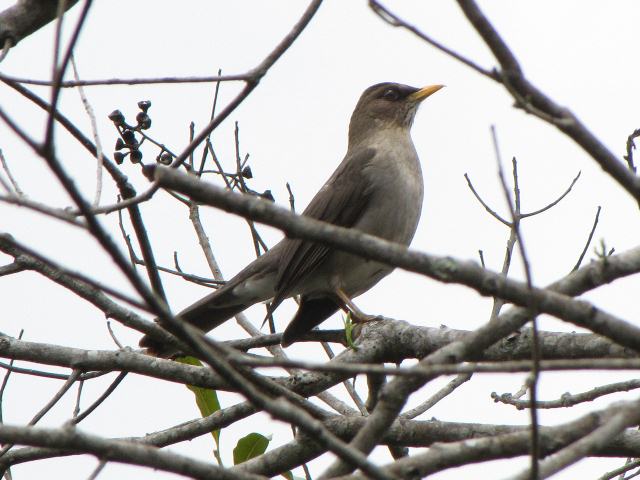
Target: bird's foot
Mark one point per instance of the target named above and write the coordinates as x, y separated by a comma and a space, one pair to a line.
357, 315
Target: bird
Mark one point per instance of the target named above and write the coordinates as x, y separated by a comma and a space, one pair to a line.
377, 189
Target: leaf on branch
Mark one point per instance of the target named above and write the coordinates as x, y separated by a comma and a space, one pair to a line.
206, 399
348, 331
250, 447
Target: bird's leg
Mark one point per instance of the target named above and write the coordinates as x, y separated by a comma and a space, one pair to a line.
348, 306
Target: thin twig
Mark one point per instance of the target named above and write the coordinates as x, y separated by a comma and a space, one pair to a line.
568, 399
21, 252
59, 70
621, 470
535, 101
347, 384
5, 381
130, 81
76, 408
50, 404
213, 114
514, 207
113, 336
491, 211
589, 238
555, 202
448, 389
110, 389
203, 240
43, 374
94, 129
57, 213
14, 183
292, 198
190, 277
254, 77
395, 21
481, 255
631, 146
97, 470
622, 417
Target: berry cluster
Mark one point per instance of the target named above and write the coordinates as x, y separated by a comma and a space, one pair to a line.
128, 144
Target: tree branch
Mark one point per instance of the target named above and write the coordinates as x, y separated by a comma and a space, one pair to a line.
26, 17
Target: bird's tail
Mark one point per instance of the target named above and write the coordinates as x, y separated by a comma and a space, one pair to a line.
310, 314
251, 285
206, 314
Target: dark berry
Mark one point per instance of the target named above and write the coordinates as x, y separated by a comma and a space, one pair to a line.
129, 137
119, 157
166, 158
143, 120
117, 117
136, 156
267, 195
246, 172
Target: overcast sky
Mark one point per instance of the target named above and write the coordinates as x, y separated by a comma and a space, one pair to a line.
294, 126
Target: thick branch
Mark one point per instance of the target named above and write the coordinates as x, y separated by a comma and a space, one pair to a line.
394, 341
26, 17
118, 450
402, 432
506, 445
508, 441
534, 101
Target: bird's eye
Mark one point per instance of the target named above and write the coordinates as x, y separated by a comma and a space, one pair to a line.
391, 94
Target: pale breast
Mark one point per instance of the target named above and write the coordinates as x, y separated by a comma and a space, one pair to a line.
397, 190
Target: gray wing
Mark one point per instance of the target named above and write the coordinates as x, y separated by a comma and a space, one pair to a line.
341, 201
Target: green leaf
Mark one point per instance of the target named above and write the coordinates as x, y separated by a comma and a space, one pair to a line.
348, 330
206, 399
249, 447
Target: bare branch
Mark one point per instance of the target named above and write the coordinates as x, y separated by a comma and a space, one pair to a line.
256, 74
625, 415
58, 213
533, 100
50, 404
395, 21
532, 379
555, 202
442, 393
490, 210
503, 445
118, 450
130, 81
94, 129
26, 17
527, 95
14, 184
568, 399
631, 146
31, 260
589, 238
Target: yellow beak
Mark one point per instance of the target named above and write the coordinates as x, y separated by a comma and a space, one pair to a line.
424, 93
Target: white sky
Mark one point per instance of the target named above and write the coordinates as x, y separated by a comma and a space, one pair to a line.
582, 53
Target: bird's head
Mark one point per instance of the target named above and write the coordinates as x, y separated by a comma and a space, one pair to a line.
387, 106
